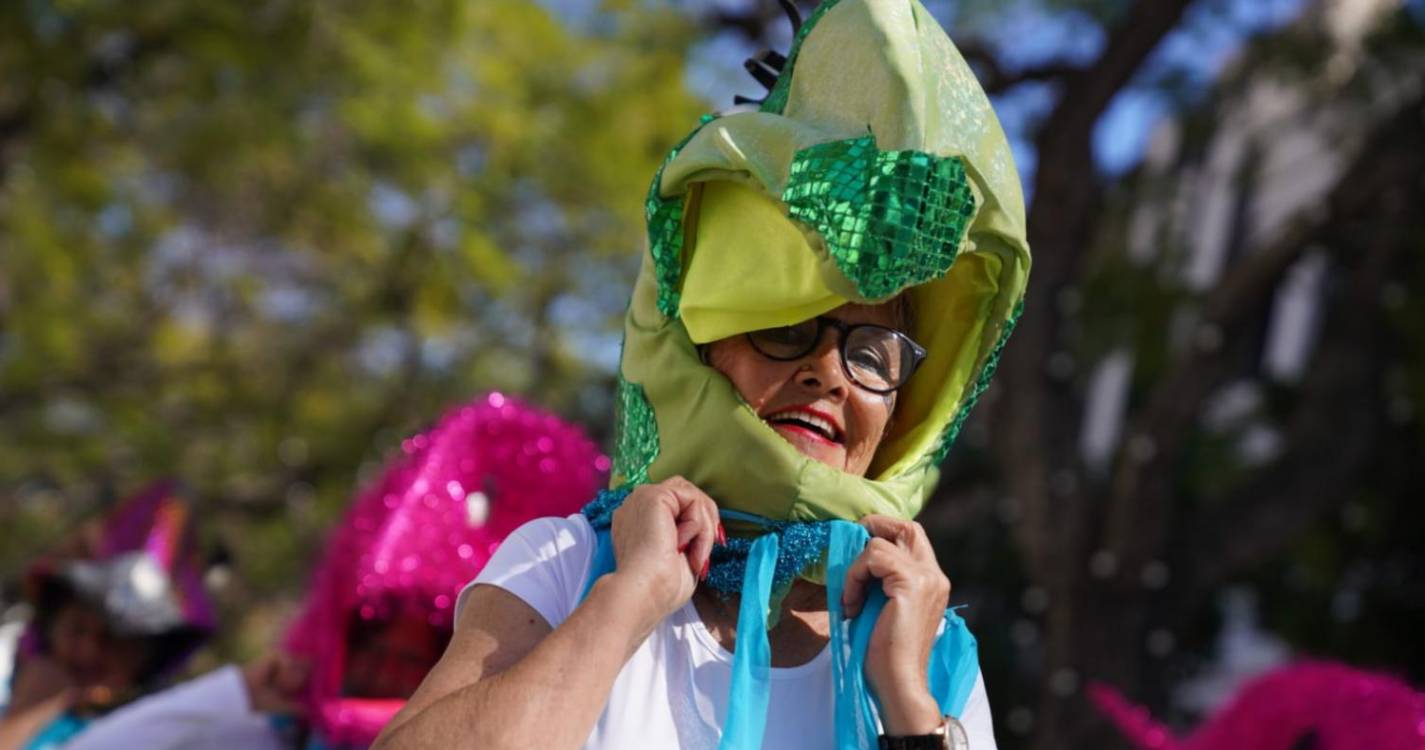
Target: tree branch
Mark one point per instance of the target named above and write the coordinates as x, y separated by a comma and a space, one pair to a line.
751, 22
1038, 427
1328, 441
993, 76
1143, 493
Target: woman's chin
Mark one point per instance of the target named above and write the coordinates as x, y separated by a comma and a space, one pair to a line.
813, 446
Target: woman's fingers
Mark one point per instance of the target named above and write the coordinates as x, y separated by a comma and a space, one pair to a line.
707, 535
907, 535
652, 511
656, 524
877, 560
687, 529
899, 554
697, 520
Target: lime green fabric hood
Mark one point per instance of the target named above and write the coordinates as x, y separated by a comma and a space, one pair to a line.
875, 165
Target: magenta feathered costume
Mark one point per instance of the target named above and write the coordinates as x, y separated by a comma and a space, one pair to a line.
1307, 706
418, 535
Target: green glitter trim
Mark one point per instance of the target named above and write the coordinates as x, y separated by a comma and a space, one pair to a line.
890, 219
665, 231
635, 437
776, 100
987, 371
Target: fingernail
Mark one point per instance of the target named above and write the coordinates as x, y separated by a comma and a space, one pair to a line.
707, 565
721, 535
682, 548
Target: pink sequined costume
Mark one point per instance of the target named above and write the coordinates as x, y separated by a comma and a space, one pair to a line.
424, 529
1306, 706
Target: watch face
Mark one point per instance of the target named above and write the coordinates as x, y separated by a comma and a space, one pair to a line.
955, 737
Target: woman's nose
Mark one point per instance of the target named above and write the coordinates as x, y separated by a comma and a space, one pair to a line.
821, 369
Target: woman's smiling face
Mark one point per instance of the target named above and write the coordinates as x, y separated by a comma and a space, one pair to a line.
810, 401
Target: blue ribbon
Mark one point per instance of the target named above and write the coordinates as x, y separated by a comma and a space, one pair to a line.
855, 722
752, 661
953, 667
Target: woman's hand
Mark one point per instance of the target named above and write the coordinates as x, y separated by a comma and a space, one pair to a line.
663, 536
900, 556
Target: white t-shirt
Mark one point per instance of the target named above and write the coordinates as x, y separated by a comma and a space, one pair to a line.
673, 690
207, 713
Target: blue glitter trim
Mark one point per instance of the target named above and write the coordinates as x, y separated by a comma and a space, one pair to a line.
800, 544
600, 510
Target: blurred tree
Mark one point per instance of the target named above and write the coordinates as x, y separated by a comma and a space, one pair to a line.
251, 245
1211, 370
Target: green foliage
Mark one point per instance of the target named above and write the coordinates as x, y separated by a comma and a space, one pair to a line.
250, 245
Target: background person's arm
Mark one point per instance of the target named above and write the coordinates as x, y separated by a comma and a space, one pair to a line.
43, 691
19, 726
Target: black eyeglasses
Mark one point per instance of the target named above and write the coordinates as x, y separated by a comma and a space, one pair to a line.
874, 357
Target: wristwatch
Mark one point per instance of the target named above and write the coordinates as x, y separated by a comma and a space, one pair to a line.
950, 736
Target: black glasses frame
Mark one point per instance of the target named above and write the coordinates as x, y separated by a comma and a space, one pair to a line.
823, 322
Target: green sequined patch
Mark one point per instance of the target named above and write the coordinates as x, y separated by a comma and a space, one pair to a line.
890, 219
664, 217
987, 371
776, 100
635, 437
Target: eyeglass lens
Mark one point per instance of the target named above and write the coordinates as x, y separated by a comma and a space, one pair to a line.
876, 358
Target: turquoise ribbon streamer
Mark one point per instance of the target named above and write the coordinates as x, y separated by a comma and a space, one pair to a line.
57, 733
752, 661
953, 668
954, 665
855, 724
603, 560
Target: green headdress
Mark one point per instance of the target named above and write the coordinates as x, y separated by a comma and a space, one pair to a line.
874, 166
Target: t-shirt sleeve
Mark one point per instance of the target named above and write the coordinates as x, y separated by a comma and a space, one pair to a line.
544, 563
979, 725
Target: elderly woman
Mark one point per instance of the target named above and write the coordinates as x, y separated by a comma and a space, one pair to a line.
829, 281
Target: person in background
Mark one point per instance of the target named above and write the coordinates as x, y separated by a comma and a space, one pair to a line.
114, 617
380, 608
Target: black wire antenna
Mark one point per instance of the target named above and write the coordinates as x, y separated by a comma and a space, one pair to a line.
767, 65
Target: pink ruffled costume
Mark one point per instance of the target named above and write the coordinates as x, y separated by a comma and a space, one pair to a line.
1306, 706
423, 531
